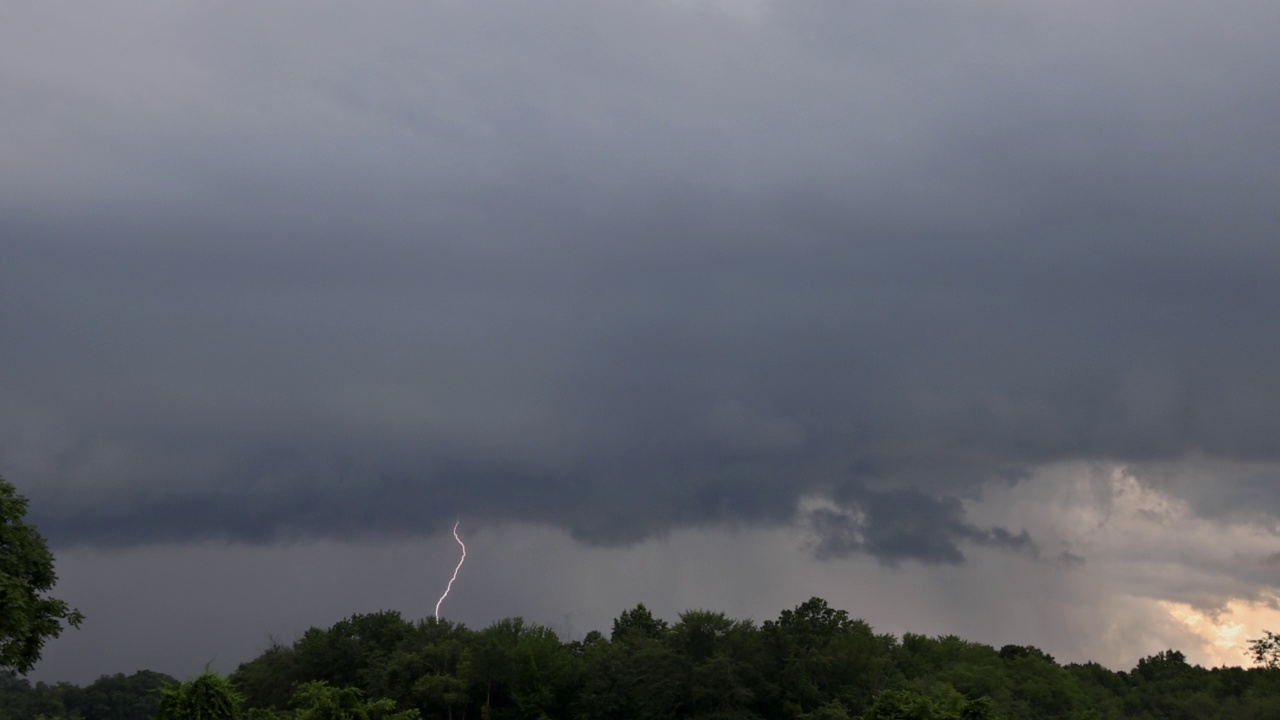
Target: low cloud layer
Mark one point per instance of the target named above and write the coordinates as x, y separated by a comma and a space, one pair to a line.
313, 271
1123, 571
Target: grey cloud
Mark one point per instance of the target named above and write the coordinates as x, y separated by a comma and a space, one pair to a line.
289, 272
904, 524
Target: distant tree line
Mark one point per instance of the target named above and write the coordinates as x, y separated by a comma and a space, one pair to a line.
110, 697
811, 663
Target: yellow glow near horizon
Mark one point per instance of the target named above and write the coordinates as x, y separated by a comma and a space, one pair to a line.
1225, 634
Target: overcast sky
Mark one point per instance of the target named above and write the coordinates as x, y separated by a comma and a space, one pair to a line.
961, 315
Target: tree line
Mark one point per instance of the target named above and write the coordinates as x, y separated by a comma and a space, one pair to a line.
813, 662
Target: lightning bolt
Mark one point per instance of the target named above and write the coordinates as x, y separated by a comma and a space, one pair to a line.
455, 570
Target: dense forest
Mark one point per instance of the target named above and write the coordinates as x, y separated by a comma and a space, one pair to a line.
812, 663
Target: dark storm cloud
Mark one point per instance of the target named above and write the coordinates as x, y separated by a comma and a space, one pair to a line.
904, 524
328, 272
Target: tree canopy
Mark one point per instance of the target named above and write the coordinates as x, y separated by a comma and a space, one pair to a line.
28, 616
812, 662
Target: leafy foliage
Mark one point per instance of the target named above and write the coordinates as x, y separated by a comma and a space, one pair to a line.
813, 662
110, 697
208, 696
317, 700
28, 617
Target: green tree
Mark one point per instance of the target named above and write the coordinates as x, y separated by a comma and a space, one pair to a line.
638, 623
344, 654
424, 671
268, 680
903, 705
544, 672
28, 617
120, 697
715, 655
318, 700
207, 696
821, 655
490, 662
643, 680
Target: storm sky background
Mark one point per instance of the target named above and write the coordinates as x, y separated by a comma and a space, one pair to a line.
961, 315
